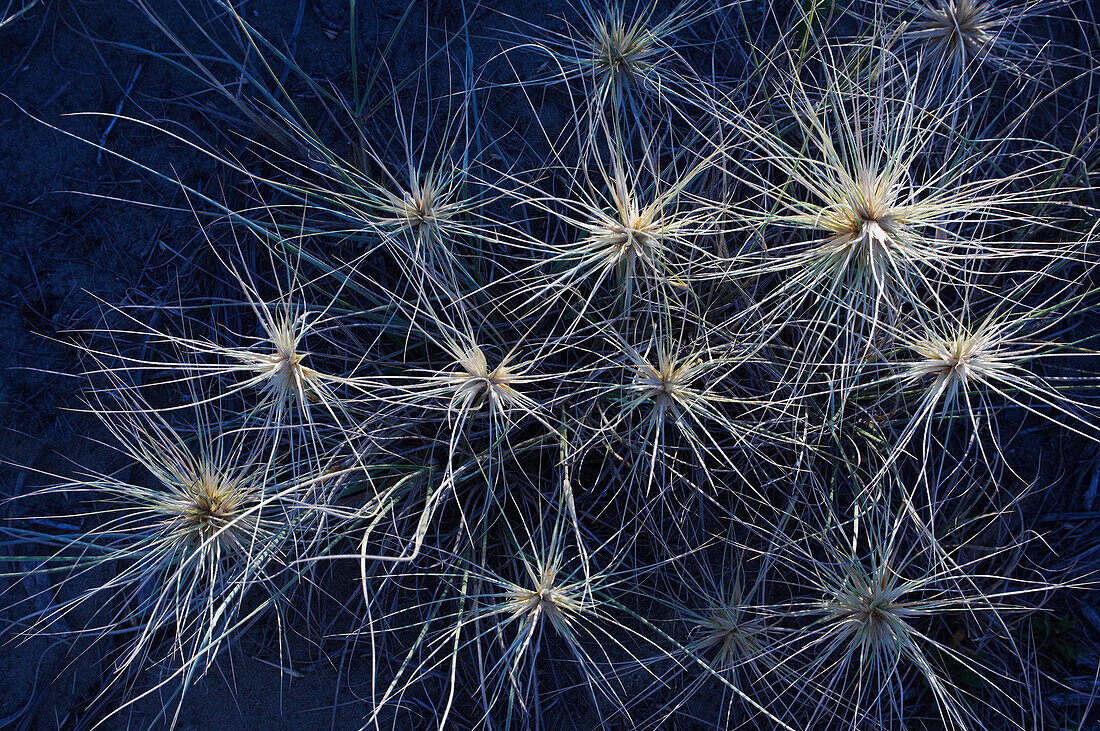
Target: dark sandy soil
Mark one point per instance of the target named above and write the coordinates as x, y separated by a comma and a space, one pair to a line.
68, 243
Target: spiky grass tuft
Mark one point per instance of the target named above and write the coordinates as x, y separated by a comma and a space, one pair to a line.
203, 523
624, 57
954, 39
538, 397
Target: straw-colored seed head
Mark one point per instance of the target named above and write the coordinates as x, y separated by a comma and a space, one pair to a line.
212, 511
869, 229
282, 371
870, 612
283, 365
620, 48
547, 597
474, 369
632, 237
957, 359
419, 212
952, 358
726, 630
871, 206
287, 373
475, 381
666, 383
540, 600
420, 208
957, 28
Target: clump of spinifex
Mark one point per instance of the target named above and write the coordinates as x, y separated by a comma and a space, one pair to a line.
200, 521
669, 368
955, 39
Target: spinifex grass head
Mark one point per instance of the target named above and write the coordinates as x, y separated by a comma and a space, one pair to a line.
477, 383
964, 367
672, 384
409, 194
961, 359
630, 236
471, 372
953, 39
427, 216
957, 30
548, 594
636, 225
214, 512
551, 588
281, 372
728, 628
473, 385
271, 371
689, 397
199, 524
870, 611
728, 659
881, 207
870, 622
869, 227
665, 380
622, 50
728, 650
426, 207
623, 54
